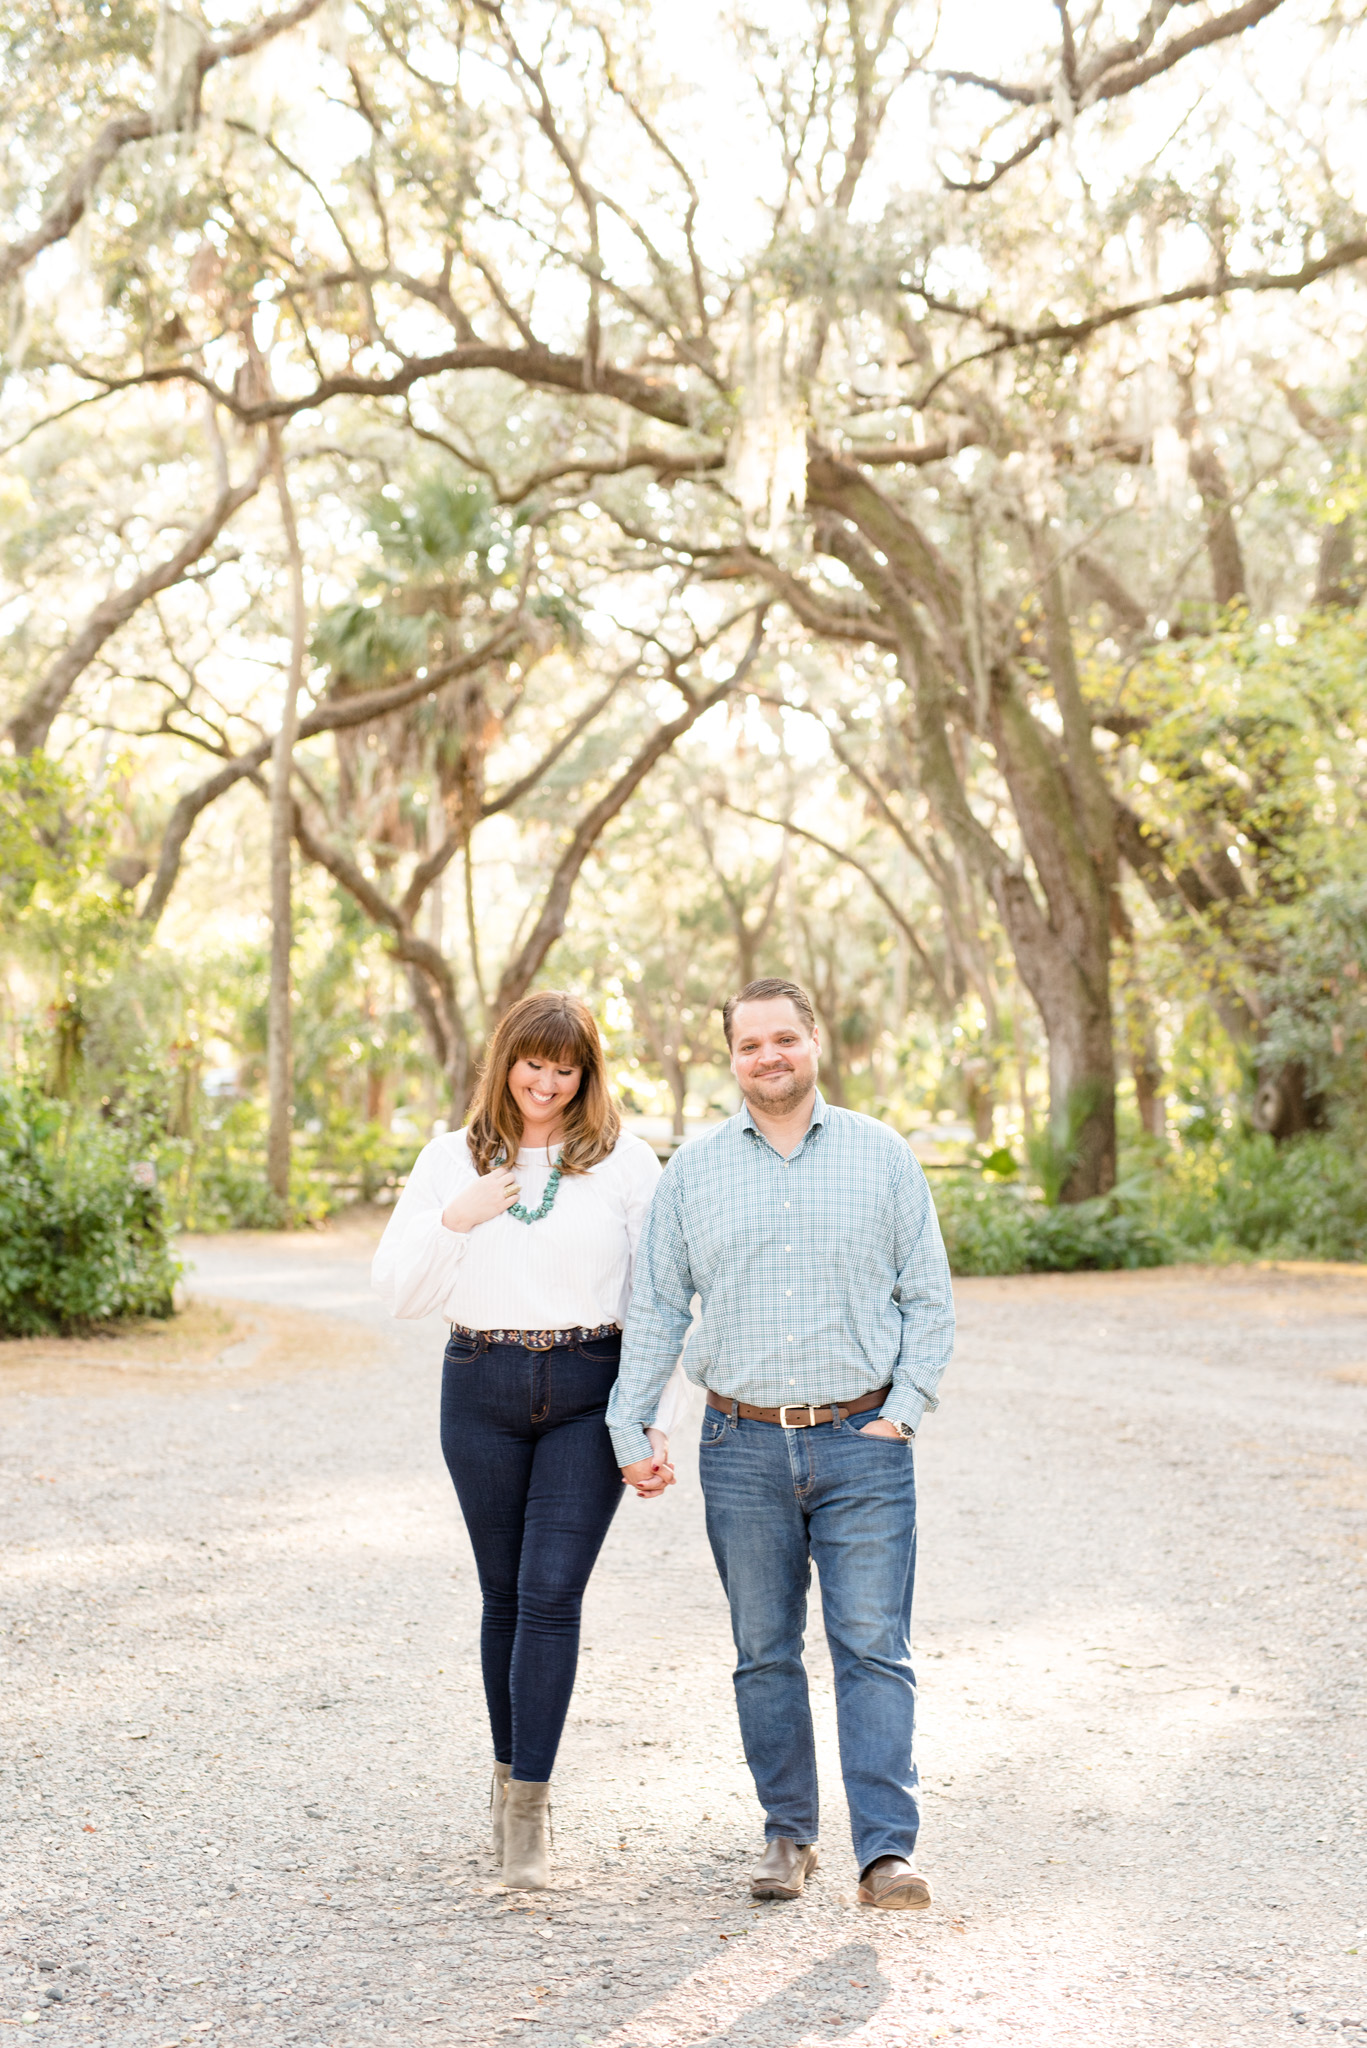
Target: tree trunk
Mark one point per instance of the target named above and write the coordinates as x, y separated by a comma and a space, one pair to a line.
1022, 1059
279, 1053
1228, 577
677, 1076
1284, 1105
434, 1001
1146, 1068
1073, 998
1063, 951
1335, 585
976, 1075
1058, 793
832, 1072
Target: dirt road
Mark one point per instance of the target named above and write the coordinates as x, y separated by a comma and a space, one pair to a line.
245, 1761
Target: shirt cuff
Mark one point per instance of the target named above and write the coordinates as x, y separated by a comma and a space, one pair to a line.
905, 1404
630, 1444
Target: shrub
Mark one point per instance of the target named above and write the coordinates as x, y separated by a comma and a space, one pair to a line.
994, 1229
332, 1165
225, 1186
984, 1225
1245, 1197
1302, 1200
84, 1237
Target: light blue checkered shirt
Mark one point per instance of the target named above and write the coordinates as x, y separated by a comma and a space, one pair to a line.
822, 1276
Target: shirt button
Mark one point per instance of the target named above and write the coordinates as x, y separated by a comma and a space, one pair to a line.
787, 1205
790, 1294
787, 1247
790, 1339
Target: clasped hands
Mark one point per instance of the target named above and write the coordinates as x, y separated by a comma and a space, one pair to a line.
650, 1476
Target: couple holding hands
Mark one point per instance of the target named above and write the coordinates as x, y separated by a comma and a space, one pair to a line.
807, 1236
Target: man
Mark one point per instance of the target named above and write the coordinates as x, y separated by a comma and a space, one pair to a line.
809, 1235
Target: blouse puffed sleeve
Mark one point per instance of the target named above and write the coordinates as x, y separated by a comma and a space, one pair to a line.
416, 1260
643, 1179
641, 1172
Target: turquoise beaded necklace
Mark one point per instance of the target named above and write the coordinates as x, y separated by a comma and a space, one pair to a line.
547, 1203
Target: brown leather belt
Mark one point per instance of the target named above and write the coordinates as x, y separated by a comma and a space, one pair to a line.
797, 1414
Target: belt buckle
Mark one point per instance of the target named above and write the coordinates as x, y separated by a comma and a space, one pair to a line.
545, 1340
783, 1421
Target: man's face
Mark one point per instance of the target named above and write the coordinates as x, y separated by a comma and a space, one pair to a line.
773, 1055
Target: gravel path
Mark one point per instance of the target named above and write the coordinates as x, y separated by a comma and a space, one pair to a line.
245, 1763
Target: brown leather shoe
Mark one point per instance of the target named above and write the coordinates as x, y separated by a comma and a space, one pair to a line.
892, 1884
783, 1869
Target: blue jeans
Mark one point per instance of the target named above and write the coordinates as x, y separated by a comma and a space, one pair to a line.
777, 1499
528, 1450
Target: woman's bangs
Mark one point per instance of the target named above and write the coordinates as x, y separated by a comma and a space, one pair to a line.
558, 1040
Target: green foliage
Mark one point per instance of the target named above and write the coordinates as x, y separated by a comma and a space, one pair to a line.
224, 1186
339, 1162
439, 542
989, 1228
84, 1235
56, 900
1254, 766
436, 524
1235, 1197
1318, 995
1053, 1153
38, 849
345, 1160
1302, 1200
367, 642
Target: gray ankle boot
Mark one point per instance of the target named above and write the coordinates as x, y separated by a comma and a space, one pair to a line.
526, 1819
496, 1791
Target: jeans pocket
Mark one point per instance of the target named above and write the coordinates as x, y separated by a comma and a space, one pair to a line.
715, 1424
894, 1443
602, 1351
463, 1351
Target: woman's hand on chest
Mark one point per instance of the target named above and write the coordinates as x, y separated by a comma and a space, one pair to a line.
482, 1200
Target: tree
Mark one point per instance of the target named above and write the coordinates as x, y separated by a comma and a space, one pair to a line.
521, 238
279, 1059
461, 634
1246, 804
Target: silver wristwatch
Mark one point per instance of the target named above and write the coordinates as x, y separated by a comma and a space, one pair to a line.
904, 1429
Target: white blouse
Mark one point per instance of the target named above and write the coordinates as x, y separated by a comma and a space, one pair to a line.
569, 1270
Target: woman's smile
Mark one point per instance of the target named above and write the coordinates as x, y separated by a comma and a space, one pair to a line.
543, 1091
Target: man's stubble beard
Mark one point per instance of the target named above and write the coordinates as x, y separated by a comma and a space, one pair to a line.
778, 1104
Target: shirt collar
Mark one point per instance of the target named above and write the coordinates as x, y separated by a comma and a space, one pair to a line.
818, 1119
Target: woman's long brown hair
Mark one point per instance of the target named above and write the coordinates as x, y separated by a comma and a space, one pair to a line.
559, 1029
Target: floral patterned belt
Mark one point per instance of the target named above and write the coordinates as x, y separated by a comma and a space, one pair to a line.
539, 1340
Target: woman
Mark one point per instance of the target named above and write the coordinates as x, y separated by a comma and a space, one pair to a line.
520, 1230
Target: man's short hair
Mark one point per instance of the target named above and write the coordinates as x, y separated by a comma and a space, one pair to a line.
764, 991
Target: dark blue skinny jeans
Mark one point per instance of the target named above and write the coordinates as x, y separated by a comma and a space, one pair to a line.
527, 1447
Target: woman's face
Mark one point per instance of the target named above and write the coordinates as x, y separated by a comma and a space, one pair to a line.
542, 1089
